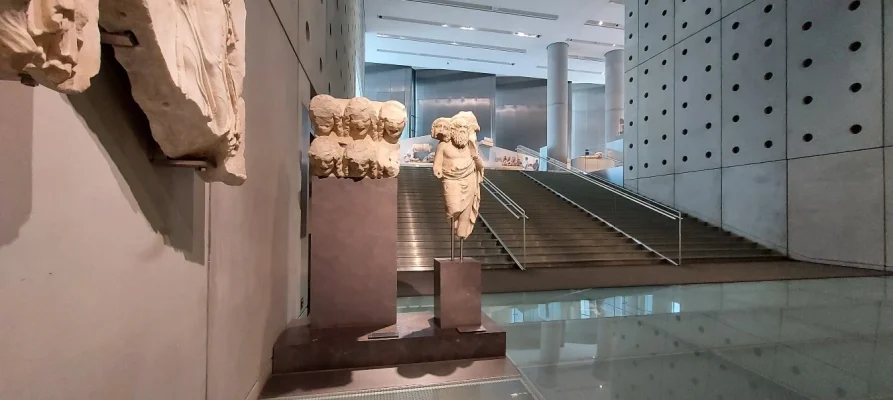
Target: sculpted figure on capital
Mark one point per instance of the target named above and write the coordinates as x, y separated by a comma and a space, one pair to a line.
460, 168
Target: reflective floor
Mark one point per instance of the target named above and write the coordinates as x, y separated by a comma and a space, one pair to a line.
815, 339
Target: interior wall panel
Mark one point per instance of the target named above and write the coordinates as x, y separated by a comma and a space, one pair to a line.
631, 127
837, 207
520, 113
391, 82
588, 116
631, 40
700, 194
655, 113
656, 29
730, 6
753, 93
442, 93
698, 101
661, 188
754, 202
694, 15
840, 45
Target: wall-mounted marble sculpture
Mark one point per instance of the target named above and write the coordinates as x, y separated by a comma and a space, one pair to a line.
54, 43
460, 169
356, 138
186, 68
187, 74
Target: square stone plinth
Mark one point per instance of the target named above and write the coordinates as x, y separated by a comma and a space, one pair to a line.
457, 293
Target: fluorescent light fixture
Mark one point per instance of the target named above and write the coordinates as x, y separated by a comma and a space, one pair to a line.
600, 23
603, 24
486, 8
453, 43
466, 28
527, 35
592, 42
446, 25
446, 57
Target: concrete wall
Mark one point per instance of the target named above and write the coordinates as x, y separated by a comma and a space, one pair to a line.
588, 116
765, 117
120, 279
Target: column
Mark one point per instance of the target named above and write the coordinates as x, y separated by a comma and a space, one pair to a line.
557, 102
613, 95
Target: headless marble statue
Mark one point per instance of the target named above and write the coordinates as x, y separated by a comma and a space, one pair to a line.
460, 169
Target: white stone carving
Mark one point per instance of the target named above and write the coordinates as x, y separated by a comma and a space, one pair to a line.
356, 138
326, 153
53, 42
460, 169
187, 74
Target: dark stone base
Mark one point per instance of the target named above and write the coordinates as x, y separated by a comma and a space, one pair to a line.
353, 253
457, 294
302, 349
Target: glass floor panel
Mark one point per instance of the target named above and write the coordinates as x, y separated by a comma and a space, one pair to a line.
809, 339
476, 390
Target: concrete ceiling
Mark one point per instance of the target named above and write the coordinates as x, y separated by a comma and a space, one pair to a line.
502, 37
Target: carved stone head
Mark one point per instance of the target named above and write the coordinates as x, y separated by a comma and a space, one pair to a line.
360, 118
324, 114
392, 119
441, 128
473, 124
461, 132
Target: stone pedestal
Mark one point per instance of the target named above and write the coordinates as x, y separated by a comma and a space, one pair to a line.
457, 293
353, 253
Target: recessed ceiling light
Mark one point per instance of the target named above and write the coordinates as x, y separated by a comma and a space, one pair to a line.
527, 35
600, 23
466, 28
445, 25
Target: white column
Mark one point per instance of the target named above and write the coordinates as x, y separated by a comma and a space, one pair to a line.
557, 102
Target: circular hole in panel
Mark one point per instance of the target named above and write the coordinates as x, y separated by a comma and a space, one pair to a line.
646, 71
685, 78
664, 162
646, 141
664, 137
664, 87
736, 118
630, 58
630, 123
664, 13
855, 129
768, 144
630, 79
630, 145
307, 30
806, 26
664, 112
806, 63
708, 68
684, 52
646, 48
708, 11
736, 25
768, 110
767, 42
768, 76
664, 62
646, 165
630, 167
807, 99
630, 101
684, 25
708, 39
663, 38
684, 132
330, 87
708, 125
646, 95
855, 46
735, 87
630, 35
767, 9
854, 5
330, 29
320, 64
855, 87
685, 105
646, 118
807, 137
684, 158
708, 97
736, 149
646, 25
630, 14
708, 155
735, 57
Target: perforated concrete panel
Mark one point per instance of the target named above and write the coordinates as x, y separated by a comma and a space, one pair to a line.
836, 207
834, 76
753, 92
697, 101
655, 115
888, 70
631, 40
754, 202
660, 188
656, 29
631, 125
730, 6
888, 201
700, 194
694, 15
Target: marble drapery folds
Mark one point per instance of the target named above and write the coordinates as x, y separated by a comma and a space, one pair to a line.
460, 168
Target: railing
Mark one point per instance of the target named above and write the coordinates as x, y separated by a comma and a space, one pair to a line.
632, 201
517, 212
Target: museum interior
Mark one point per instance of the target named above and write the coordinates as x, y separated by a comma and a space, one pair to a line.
446, 199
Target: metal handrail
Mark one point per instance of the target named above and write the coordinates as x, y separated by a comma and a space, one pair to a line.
609, 224
604, 184
506, 197
492, 189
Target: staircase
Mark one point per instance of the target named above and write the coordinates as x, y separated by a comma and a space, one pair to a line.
701, 242
559, 234
423, 230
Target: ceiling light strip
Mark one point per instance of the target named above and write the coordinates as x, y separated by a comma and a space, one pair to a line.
408, 53
603, 24
491, 9
585, 58
595, 43
451, 43
574, 70
445, 25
